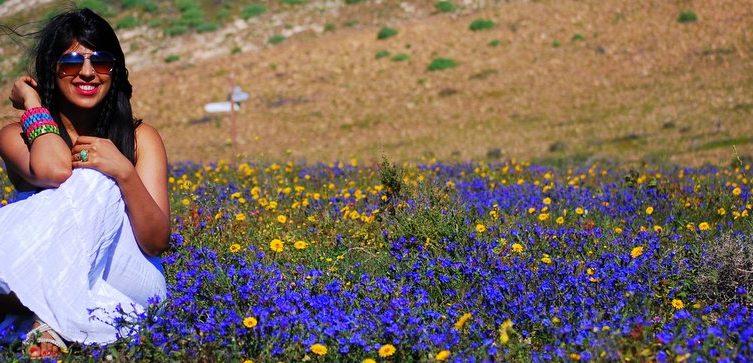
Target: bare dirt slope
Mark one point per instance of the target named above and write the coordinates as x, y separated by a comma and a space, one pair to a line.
579, 80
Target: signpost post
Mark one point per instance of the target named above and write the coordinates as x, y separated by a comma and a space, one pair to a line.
232, 105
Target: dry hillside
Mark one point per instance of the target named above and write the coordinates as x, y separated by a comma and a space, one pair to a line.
552, 80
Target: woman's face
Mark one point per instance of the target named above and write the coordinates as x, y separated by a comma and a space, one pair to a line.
85, 88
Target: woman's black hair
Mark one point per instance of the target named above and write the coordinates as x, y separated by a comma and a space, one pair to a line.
115, 121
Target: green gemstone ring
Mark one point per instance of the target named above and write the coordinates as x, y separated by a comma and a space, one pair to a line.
83, 155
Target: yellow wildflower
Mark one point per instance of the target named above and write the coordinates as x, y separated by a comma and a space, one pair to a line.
677, 304
547, 201
235, 247
240, 217
250, 322
636, 252
517, 247
543, 216
282, 219
319, 349
721, 211
185, 201
580, 211
368, 360
575, 357
461, 321
737, 191
560, 220
443, 355
387, 350
617, 230
276, 245
300, 245
704, 226
649, 210
480, 228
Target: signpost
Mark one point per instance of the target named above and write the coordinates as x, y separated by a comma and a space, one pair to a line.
232, 105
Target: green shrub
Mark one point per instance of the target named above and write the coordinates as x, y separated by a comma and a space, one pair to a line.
386, 32
687, 16
577, 37
127, 4
351, 2
253, 10
127, 22
328, 27
400, 57
207, 27
494, 43
192, 17
556, 43
176, 29
154, 23
223, 14
98, 6
150, 6
146, 5
382, 53
444, 6
276, 39
481, 24
351, 23
439, 64
172, 58
235, 50
184, 5
292, 2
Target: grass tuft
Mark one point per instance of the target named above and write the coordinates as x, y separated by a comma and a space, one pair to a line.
439, 64
253, 10
386, 32
687, 16
481, 24
445, 6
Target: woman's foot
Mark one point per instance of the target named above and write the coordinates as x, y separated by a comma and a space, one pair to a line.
43, 342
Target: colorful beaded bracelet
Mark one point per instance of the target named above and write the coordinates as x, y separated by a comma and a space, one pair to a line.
36, 122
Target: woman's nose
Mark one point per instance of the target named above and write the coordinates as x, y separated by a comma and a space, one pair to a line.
87, 70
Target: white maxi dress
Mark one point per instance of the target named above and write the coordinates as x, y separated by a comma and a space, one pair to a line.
70, 256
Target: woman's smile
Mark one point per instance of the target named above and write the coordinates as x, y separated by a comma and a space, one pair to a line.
86, 89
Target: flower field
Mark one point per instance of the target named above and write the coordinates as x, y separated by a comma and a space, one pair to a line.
502, 261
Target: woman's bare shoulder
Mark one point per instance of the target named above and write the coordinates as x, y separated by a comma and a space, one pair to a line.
148, 135
149, 141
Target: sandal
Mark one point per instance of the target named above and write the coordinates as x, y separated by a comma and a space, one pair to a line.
34, 336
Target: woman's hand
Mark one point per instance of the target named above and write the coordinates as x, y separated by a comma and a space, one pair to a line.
24, 94
102, 155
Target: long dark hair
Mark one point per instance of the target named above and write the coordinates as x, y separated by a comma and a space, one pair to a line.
115, 121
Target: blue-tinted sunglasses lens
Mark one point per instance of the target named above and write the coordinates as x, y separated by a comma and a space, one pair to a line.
71, 63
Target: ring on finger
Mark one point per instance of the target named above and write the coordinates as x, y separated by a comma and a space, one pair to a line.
83, 155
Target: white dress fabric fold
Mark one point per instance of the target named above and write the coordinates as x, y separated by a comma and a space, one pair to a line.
70, 256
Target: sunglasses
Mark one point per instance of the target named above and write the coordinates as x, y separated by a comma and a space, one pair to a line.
71, 63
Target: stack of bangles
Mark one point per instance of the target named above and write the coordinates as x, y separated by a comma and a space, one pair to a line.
36, 122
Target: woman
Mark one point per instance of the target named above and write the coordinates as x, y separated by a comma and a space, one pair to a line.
94, 213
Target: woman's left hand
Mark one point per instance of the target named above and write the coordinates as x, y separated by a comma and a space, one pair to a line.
101, 154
